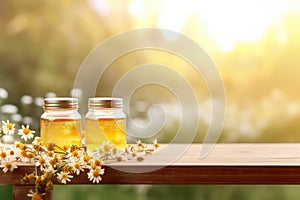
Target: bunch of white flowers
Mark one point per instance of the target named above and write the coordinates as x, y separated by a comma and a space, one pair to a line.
63, 163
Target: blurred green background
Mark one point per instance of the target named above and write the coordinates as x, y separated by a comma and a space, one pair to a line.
254, 44
176, 192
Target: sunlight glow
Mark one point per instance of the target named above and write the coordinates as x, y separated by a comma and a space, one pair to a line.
234, 21
101, 6
137, 8
173, 16
227, 22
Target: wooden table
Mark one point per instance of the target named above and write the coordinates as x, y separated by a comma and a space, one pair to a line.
226, 164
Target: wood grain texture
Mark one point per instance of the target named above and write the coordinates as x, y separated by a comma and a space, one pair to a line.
226, 164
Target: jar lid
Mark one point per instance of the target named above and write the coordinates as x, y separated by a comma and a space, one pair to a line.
105, 102
61, 102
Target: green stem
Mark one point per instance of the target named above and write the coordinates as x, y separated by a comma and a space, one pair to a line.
60, 149
36, 185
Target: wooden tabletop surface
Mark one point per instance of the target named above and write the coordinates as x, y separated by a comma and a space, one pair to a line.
226, 164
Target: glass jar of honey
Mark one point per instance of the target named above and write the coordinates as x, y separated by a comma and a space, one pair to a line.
105, 122
60, 122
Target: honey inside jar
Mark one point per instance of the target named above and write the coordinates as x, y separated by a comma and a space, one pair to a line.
62, 132
61, 122
101, 130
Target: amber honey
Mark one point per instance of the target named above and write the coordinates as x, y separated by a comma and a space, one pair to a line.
101, 130
62, 132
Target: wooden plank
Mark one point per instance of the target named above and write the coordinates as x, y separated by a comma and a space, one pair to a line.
20, 192
277, 154
271, 154
14, 178
193, 175
203, 175
226, 164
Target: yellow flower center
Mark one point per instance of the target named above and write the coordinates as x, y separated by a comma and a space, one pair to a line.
9, 126
23, 153
86, 158
36, 196
66, 147
29, 155
42, 161
26, 131
96, 173
3, 154
75, 153
8, 165
50, 153
21, 146
64, 176
77, 165
97, 162
11, 153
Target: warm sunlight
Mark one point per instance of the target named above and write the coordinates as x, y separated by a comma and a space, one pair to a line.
208, 74
241, 21
227, 22
253, 43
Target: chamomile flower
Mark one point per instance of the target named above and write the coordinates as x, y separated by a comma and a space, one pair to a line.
37, 141
29, 157
64, 165
42, 163
106, 148
8, 165
52, 162
23, 156
26, 133
95, 174
96, 163
155, 144
64, 177
35, 195
76, 155
86, 158
3, 155
77, 167
48, 174
12, 153
8, 128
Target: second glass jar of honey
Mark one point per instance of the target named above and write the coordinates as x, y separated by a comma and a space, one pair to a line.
60, 122
105, 122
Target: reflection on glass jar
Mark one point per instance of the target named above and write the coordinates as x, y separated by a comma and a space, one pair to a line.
105, 122
60, 122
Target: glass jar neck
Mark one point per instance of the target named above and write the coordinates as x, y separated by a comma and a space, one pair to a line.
54, 109
61, 114
105, 113
91, 108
